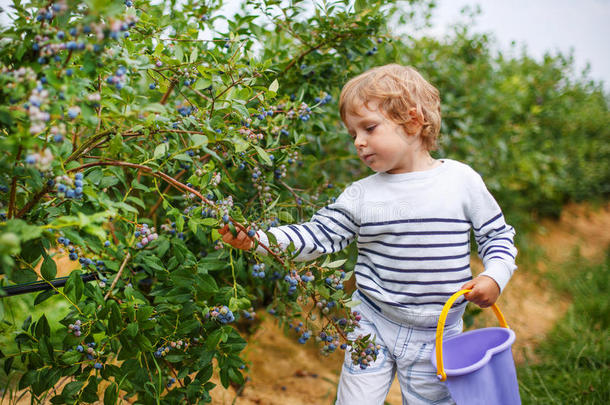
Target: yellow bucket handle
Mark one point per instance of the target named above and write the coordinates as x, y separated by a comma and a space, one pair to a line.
440, 369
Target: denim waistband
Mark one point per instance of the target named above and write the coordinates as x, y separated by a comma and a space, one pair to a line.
426, 321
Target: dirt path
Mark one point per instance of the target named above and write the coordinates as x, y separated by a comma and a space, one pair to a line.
283, 372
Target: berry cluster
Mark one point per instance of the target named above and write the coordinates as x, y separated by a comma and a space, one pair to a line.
325, 306
68, 187
304, 334
145, 234
222, 314
304, 112
37, 101
185, 109
258, 270
335, 281
325, 99
263, 114
75, 328
216, 179
119, 78
249, 314
40, 160
163, 350
280, 172
331, 342
58, 132
364, 357
292, 279
251, 135
74, 255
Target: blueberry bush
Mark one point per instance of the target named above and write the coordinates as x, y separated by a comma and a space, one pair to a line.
131, 131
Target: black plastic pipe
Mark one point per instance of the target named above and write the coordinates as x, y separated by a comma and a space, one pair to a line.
26, 288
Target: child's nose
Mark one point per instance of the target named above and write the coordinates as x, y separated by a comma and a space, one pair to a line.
359, 141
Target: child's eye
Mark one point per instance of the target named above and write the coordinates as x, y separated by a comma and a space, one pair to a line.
371, 128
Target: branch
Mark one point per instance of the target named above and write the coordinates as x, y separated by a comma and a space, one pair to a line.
307, 52
118, 275
175, 183
11, 204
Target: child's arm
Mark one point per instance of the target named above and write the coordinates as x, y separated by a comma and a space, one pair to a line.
496, 248
330, 230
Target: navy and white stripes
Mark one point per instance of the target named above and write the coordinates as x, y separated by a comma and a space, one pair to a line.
414, 239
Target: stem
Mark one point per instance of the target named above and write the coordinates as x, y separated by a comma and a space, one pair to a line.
172, 84
118, 275
11, 204
233, 274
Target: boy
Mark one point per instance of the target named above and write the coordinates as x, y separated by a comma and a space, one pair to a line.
412, 220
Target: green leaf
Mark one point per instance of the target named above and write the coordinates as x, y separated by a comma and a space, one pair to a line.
74, 286
70, 357
263, 154
285, 216
132, 329
111, 395
199, 140
42, 327
49, 268
161, 150
335, 264
274, 86
178, 52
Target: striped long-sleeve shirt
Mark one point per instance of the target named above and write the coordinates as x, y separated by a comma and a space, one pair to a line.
413, 236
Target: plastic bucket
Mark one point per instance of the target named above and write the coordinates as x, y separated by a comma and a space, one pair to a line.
477, 366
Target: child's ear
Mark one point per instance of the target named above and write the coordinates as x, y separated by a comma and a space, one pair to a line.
415, 116
415, 125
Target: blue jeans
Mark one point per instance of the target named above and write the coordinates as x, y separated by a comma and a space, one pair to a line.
404, 350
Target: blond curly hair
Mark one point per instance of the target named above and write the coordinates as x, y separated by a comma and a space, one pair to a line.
397, 89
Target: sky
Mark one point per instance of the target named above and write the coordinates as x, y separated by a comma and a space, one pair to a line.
581, 27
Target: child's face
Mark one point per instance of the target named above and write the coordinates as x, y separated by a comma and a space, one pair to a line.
381, 144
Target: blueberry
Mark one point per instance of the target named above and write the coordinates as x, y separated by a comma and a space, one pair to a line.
225, 218
79, 348
152, 86
69, 72
78, 183
98, 365
73, 31
251, 233
78, 176
73, 256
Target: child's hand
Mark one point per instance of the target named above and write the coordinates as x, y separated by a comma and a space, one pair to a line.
485, 291
241, 241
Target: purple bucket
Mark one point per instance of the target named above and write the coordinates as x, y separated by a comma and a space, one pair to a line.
480, 368
477, 366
